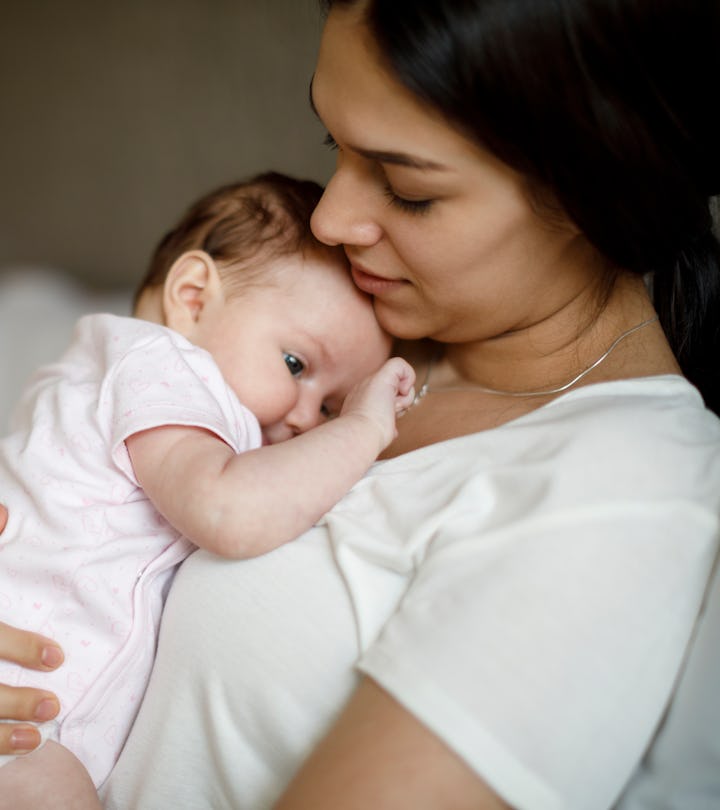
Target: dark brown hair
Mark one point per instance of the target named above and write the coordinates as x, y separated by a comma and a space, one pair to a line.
605, 107
241, 226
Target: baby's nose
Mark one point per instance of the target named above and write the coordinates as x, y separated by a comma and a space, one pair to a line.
306, 415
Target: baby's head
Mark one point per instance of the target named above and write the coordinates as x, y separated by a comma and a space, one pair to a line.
243, 277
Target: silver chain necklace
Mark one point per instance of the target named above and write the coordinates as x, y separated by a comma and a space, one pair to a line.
425, 387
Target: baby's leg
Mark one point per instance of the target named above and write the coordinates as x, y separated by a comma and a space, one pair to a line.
51, 778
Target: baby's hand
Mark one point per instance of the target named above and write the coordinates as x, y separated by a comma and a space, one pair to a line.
380, 397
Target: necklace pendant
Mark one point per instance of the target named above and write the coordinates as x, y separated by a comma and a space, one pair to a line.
420, 395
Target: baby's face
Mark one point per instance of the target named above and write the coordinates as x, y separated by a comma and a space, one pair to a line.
293, 348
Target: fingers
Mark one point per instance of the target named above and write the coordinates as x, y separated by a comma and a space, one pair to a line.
18, 739
402, 376
16, 703
400, 372
29, 649
24, 703
404, 401
20, 703
407, 379
385, 394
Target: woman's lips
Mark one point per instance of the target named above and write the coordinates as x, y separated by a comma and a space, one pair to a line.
372, 284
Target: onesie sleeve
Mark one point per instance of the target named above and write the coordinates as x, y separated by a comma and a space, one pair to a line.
544, 651
165, 380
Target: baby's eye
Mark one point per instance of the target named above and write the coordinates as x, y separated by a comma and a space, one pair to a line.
326, 411
295, 366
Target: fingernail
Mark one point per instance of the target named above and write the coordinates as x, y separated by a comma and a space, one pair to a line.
46, 710
23, 740
52, 657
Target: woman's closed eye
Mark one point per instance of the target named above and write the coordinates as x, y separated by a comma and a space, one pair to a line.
404, 204
294, 364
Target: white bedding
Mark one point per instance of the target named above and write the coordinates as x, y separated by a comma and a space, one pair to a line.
38, 309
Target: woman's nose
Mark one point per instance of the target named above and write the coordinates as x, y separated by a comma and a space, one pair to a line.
344, 215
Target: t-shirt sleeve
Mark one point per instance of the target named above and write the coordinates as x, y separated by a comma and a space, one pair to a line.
543, 652
164, 381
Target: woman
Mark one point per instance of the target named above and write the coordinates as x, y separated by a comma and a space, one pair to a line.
495, 616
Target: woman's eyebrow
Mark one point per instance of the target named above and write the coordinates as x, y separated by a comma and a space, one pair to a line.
398, 159
382, 156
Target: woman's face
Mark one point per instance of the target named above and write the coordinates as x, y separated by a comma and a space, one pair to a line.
440, 232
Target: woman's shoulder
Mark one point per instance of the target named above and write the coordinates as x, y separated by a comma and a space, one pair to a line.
649, 435
660, 411
648, 438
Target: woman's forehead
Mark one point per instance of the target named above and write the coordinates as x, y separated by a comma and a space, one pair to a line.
367, 109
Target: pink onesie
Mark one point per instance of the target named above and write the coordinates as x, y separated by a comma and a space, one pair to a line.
85, 558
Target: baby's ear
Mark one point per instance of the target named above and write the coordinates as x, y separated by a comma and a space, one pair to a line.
192, 286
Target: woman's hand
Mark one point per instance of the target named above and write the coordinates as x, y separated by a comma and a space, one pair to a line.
20, 703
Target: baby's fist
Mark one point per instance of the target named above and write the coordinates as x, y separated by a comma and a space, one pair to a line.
380, 397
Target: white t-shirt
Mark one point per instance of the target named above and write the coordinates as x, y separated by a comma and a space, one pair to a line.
681, 770
86, 558
527, 592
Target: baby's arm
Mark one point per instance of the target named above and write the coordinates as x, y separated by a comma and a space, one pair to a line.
242, 505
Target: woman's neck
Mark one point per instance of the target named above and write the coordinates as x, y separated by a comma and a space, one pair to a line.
540, 358
555, 349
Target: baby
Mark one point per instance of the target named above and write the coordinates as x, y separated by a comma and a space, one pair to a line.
161, 433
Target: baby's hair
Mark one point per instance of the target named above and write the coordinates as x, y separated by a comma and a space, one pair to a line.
242, 226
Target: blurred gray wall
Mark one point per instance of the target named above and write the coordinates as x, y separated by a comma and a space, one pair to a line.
115, 116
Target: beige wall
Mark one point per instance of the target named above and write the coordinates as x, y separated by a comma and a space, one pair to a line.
116, 115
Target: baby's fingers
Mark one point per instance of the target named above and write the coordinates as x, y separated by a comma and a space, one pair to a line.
404, 401
402, 374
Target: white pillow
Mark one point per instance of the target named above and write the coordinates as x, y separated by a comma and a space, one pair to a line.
38, 310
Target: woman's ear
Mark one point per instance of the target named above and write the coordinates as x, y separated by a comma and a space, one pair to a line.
191, 289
